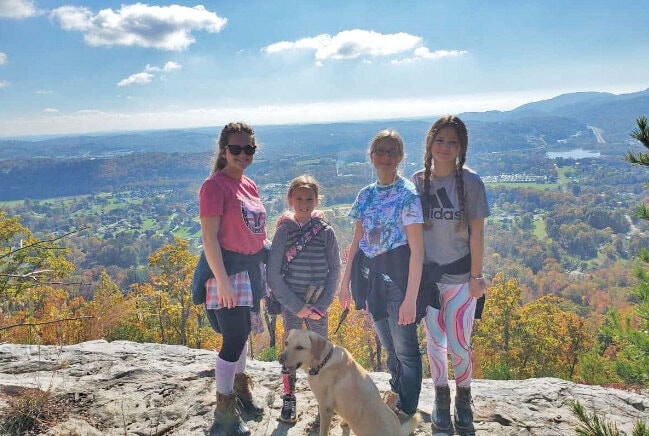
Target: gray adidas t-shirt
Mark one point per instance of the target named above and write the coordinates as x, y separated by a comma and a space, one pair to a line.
442, 243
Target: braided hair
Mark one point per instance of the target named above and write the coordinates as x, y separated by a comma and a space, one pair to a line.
460, 129
230, 128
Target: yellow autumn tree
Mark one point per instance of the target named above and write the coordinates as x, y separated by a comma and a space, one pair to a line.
164, 307
549, 339
543, 338
494, 335
111, 313
35, 307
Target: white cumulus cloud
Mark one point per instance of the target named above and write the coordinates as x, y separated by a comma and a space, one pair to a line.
147, 75
3, 58
350, 44
18, 9
50, 110
160, 27
3, 84
425, 53
169, 66
136, 79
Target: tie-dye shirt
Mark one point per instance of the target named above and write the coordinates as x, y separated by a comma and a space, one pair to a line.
384, 211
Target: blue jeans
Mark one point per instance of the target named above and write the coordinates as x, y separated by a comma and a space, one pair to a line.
402, 347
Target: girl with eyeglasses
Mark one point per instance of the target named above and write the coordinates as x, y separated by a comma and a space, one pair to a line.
387, 253
455, 207
233, 226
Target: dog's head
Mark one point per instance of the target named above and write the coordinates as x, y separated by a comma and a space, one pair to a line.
302, 347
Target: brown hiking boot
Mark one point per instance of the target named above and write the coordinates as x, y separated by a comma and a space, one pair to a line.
243, 385
228, 415
463, 413
441, 415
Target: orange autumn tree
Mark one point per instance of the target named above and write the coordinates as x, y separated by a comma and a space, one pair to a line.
494, 335
545, 337
111, 313
164, 307
35, 307
550, 339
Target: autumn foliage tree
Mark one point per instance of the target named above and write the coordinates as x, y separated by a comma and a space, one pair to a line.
542, 338
35, 306
110, 313
164, 306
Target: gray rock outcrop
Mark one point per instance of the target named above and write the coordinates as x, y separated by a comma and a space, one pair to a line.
125, 388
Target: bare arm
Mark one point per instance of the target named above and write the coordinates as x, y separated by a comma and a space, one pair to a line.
408, 309
210, 230
345, 294
476, 245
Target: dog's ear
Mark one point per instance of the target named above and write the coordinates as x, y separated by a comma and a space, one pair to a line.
318, 345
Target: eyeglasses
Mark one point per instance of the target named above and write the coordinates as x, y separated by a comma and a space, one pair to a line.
236, 149
390, 152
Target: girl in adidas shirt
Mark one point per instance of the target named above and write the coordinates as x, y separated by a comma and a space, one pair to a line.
455, 205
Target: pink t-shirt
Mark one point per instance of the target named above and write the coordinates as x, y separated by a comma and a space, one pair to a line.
243, 217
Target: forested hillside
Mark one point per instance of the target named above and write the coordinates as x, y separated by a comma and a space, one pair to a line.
104, 246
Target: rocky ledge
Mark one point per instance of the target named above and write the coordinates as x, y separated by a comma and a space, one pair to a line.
126, 388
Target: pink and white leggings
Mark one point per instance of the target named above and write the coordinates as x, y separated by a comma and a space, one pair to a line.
449, 331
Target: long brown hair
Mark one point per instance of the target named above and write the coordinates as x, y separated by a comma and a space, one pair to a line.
460, 129
230, 128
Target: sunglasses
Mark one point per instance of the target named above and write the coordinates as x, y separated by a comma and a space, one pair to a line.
383, 152
236, 149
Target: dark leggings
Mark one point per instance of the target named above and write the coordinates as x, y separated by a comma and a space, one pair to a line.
234, 325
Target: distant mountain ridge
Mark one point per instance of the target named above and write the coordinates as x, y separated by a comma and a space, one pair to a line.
614, 113
558, 118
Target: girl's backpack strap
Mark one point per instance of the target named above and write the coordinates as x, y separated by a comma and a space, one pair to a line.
313, 228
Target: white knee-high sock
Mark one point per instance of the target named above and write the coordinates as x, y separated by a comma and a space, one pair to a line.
241, 363
224, 375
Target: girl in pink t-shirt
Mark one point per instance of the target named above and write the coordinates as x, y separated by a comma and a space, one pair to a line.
232, 219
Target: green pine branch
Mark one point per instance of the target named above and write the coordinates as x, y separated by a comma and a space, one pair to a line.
640, 429
642, 132
637, 158
642, 135
593, 425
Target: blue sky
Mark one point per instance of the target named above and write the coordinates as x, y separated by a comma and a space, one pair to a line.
90, 66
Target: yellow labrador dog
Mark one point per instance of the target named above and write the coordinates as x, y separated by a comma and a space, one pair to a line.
341, 386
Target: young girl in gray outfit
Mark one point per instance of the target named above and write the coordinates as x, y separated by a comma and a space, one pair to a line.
303, 271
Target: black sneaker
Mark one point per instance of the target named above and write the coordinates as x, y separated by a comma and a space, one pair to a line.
288, 414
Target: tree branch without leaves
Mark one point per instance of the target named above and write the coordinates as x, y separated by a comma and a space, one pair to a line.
34, 324
32, 277
46, 241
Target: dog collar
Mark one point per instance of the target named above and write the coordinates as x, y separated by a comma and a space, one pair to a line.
316, 370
